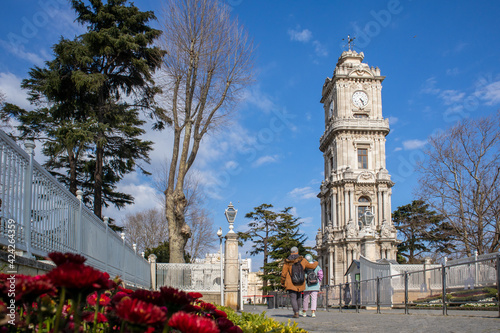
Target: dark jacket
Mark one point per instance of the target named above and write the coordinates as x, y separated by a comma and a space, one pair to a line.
286, 279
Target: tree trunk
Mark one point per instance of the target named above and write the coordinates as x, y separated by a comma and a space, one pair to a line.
98, 181
179, 231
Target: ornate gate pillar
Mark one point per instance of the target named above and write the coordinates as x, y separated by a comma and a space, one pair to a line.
231, 275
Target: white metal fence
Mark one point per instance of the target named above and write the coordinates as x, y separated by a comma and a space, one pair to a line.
47, 217
189, 277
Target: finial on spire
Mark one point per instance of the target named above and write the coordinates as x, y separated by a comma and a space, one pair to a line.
350, 42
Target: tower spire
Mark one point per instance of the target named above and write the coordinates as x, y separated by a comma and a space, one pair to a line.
350, 42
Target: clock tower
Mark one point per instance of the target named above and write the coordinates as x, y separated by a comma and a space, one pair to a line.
356, 192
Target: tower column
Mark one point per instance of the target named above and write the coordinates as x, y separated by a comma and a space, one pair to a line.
330, 266
334, 210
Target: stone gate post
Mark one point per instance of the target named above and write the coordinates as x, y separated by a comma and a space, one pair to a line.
231, 275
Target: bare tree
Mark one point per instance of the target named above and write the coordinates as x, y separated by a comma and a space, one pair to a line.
147, 229
207, 64
196, 216
460, 179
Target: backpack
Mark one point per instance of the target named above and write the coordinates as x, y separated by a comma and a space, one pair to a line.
312, 278
298, 275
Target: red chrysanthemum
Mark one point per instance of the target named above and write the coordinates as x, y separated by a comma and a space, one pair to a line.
153, 297
195, 295
63, 258
140, 312
187, 323
220, 314
175, 299
191, 308
77, 276
28, 288
234, 329
125, 290
88, 316
103, 299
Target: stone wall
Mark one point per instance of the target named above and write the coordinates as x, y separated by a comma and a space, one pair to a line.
23, 265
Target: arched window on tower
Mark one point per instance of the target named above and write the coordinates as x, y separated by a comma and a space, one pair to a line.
364, 203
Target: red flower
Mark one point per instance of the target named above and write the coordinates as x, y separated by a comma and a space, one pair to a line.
103, 300
195, 295
187, 323
220, 314
234, 329
125, 290
153, 297
140, 312
88, 316
77, 276
28, 288
63, 258
175, 299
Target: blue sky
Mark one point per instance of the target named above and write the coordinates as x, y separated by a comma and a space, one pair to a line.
441, 60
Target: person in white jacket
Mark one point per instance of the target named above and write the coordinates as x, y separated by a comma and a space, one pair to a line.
312, 289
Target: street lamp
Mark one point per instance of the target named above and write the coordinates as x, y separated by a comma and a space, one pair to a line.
231, 216
219, 233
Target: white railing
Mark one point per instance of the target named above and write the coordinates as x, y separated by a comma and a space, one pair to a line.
189, 277
47, 218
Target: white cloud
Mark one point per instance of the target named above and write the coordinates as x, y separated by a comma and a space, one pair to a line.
19, 51
267, 159
429, 86
491, 93
10, 86
320, 49
398, 149
303, 36
393, 120
303, 193
413, 144
452, 71
451, 96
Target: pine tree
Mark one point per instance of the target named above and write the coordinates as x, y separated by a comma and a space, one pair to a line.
89, 130
423, 231
287, 236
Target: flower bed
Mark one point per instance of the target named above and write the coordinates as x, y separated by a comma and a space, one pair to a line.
74, 297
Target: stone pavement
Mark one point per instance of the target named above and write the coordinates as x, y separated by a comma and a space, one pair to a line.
388, 321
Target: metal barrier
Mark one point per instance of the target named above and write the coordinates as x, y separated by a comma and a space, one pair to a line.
453, 284
38, 215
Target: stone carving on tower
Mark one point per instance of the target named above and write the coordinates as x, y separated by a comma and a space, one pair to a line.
356, 192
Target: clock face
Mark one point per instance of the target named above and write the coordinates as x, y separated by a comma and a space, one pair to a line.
360, 99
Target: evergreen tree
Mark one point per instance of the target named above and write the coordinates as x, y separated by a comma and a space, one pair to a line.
273, 235
262, 232
89, 129
423, 231
287, 236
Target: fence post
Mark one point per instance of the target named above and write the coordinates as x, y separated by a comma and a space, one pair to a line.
340, 297
476, 272
378, 294
28, 191
326, 298
106, 223
443, 275
498, 283
357, 288
152, 262
79, 227
406, 292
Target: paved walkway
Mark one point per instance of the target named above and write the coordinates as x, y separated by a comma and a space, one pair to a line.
368, 321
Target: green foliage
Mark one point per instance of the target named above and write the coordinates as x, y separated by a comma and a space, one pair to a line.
273, 235
259, 323
162, 253
90, 134
422, 230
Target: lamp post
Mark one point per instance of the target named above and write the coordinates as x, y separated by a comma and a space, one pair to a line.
219, 233
230, 213
231, 261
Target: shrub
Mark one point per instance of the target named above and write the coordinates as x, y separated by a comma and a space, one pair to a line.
259, 323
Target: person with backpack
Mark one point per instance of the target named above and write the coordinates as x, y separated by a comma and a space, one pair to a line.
313, 282
293, 277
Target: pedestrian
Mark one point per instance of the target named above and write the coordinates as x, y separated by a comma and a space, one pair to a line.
313, 283
294, 290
